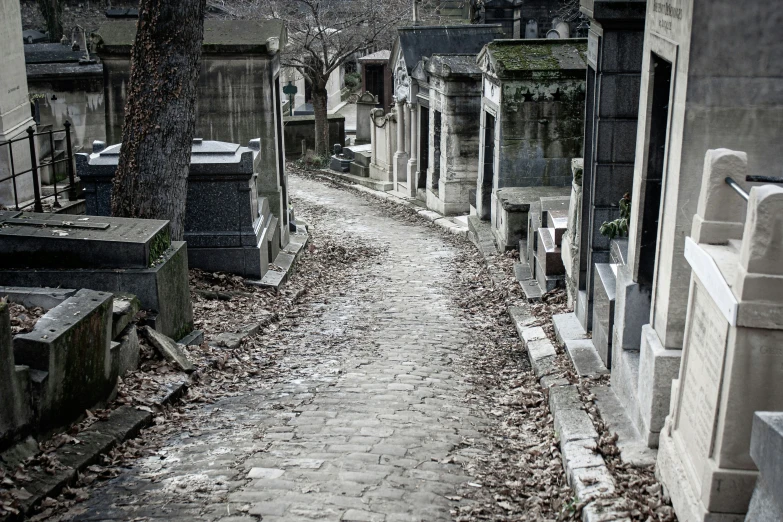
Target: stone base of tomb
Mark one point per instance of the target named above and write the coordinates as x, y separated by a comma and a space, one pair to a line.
451, 199
641, 379
162, 288
722, 492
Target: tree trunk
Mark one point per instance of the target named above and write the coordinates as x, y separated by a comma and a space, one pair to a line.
322, 145
160, 113
52, 12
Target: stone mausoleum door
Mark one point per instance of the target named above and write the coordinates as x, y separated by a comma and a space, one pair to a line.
656, 162
488, 175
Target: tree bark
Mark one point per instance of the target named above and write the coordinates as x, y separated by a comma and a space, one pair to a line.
160, 113
322, 145
52, 12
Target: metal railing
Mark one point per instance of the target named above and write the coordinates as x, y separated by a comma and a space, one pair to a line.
37, 202
751, 179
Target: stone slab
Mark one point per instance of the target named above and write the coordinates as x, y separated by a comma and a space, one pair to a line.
124, 310
571, 420
567, 327
128, 350
194, 338
46, 298
168, 348
585, 358
766, 449
604, 294
383, 186
53, 241
633, 449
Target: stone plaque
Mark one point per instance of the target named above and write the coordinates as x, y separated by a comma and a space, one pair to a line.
592, 50
701, 378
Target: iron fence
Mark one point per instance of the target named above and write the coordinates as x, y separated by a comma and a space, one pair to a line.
35, 167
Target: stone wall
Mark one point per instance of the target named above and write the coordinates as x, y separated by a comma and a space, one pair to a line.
298, 128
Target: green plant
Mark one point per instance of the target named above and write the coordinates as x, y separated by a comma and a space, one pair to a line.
353, 80
619, 226
311, 160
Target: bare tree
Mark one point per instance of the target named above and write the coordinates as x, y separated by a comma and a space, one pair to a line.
323, 35
160, 113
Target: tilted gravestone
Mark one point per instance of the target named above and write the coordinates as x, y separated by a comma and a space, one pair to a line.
228, 228
110, 254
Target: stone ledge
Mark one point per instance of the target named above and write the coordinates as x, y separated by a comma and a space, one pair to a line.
567, 327
285, 260
585, 358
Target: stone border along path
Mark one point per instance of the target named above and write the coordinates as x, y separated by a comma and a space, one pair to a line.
585, 468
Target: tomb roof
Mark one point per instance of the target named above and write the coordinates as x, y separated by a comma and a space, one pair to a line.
51, 53
422, 41
220, 36
376, 56
505, 58
453, 65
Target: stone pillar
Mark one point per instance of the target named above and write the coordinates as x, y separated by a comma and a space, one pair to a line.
373, 139
400, 157
408, 128
14, 105
413, 165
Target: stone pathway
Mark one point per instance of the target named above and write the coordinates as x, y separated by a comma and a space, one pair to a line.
368, 421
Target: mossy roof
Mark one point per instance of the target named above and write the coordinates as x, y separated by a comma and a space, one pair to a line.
454, 65
222, 36
513, 57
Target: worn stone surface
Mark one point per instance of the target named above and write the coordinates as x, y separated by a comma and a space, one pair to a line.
361, 432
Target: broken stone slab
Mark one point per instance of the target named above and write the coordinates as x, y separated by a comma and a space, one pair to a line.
124, 310
129, 349
194, 338
168, 348
232, 340
69, 354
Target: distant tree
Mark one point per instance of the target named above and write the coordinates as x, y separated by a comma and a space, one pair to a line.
160, 113
325, 34
52, 12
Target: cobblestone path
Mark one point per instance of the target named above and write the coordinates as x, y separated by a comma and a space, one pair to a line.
366, 425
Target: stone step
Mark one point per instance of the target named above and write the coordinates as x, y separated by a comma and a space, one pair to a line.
355, 169
548, 253
524, 275
633, 449
585, 358
558, 221
362, 158
547, 282
567, 327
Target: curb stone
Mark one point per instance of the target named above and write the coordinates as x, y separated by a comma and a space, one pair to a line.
124, 423
585, 468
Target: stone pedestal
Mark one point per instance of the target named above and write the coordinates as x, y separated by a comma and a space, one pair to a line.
14, 106
732, 359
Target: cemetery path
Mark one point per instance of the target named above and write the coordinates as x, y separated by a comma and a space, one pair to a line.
370, 418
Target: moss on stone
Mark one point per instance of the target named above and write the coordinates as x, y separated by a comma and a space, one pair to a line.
159, 244
528, 57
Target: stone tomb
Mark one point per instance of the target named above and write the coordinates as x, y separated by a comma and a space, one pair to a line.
532, 113
118, 255
66, 364
228, 227
732, 362
692, 67
454, 95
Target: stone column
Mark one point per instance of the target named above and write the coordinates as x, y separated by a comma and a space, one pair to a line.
14, 105
413, 165
400, 157
373, 139
408, 128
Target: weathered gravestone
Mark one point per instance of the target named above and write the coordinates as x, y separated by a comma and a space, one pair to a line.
228, 227
732, 362
116, 255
